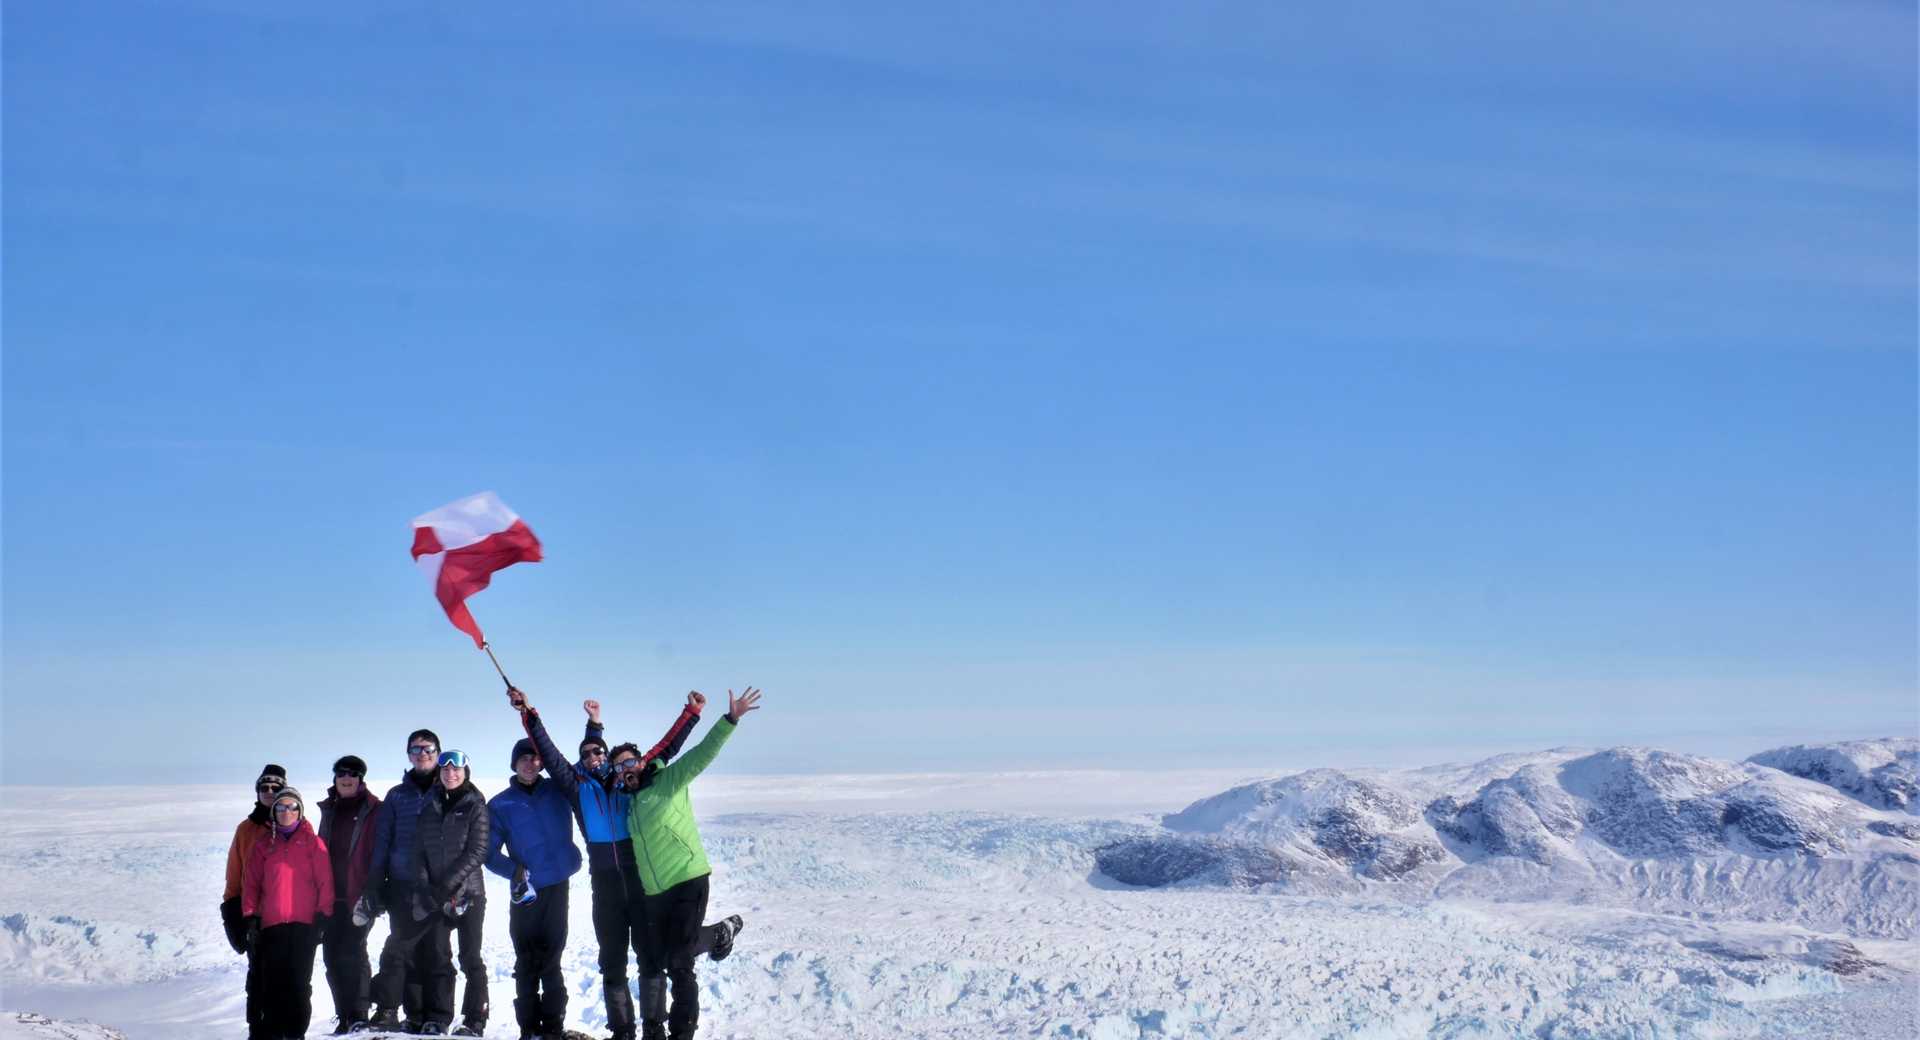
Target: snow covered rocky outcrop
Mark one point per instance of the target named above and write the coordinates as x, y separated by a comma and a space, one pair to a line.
1884, 774
1820, 835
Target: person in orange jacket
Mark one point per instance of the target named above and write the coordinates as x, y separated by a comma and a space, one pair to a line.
287, 897
257, 825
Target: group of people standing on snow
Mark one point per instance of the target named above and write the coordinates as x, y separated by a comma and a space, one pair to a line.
417, 855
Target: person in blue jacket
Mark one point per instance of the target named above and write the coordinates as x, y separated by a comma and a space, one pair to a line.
533, 823
600, 808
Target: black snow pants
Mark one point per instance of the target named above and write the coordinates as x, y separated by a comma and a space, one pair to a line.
397, 986
677, 937
284, 959
256, 1026
349, 976
468, 926
539, 933
620, 922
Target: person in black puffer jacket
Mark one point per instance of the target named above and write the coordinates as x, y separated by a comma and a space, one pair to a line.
390, 884
450, 844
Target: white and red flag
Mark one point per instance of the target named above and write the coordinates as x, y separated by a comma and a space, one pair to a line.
461, 544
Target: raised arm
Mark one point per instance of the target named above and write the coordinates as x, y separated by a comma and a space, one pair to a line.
681, 773
676, 735
556, 764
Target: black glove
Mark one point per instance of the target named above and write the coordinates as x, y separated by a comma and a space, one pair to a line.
321, 922
235, 925
367, 908
253, 933
421, 908
451, 898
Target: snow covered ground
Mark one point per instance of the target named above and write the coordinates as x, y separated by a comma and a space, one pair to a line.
1563, 894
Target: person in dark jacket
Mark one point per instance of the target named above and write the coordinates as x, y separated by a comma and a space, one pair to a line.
449, 847
389, 884
347, 816
600, 807
286, 896
532, 821
257, 825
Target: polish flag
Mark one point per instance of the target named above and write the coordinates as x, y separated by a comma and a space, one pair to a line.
461, 544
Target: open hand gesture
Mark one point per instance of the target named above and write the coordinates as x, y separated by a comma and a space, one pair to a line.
737, 707
592, 708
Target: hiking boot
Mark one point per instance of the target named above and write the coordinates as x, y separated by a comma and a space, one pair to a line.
384, 1020
723, 934
471, 1027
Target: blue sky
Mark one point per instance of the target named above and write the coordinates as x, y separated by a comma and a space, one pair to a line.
997, 387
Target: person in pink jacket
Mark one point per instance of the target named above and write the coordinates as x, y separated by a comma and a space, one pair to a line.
286, 898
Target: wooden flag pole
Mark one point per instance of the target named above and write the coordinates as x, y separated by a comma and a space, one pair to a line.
488, 647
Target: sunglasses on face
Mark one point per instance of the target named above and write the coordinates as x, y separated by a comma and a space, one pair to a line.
342, 774
594, 752
269, 788
628, 765
286, 808
416, 750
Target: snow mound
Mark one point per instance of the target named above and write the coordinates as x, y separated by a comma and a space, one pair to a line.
59, 948
1884, 774
1345, 822
25, 1025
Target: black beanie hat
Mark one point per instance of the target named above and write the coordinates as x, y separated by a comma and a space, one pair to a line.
275, 773
591, 742
522, 748
427, 733
353, 762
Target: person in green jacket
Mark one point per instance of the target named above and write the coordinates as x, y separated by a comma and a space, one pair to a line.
674, 872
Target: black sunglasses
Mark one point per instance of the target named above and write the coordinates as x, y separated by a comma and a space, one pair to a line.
269, 788
421, 749
341, 773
